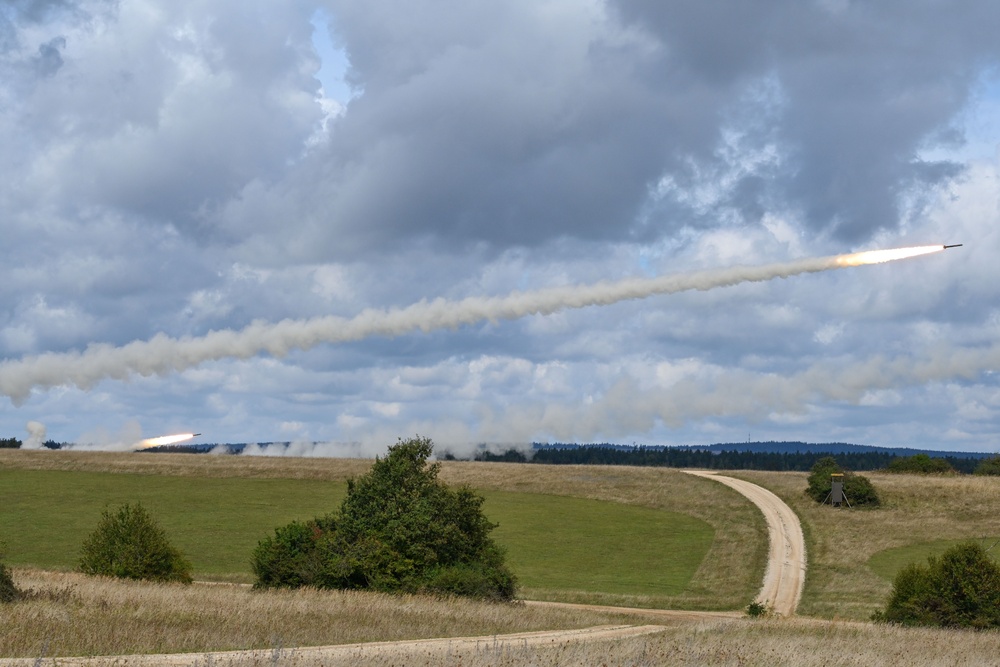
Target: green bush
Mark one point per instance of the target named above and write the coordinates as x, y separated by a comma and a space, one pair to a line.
990, 466
858, 489
9, 443
961, 589
8, 591
921, 464
130, 545
758, 610
398, 529
819, 478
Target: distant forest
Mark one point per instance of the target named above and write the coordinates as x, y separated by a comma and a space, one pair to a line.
756, 456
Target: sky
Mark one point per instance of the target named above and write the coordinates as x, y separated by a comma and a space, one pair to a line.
173, 173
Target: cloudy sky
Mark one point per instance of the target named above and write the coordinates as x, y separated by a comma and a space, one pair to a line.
170, 168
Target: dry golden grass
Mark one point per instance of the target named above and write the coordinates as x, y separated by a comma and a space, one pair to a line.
839, 583
71, 614
723, 644
77, 615
185, 465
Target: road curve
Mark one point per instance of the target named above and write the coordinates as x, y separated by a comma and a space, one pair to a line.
786, 562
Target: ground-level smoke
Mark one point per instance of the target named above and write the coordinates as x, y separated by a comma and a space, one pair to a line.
162, 354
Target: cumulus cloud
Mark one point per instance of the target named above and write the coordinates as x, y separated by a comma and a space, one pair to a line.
172, 171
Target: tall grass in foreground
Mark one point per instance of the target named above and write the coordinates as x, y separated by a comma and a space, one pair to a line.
71, 614
915, 509
718, 643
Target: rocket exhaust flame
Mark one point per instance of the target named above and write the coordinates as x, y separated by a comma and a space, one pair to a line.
162, 355
882, 256
165, 440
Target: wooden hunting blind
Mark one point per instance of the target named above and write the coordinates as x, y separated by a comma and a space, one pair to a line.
837, 488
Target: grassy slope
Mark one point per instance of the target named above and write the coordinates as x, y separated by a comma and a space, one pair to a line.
887, 563
562, 547
45, 515
916, 510
558, 543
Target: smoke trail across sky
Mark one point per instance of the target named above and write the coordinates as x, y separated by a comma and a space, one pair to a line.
162, 354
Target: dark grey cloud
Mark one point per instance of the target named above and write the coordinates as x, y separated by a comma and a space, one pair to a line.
863, 87
510, 125
49, 59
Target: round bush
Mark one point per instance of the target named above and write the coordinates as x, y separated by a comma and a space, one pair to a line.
961, 589
8, 591
129, 544
858, 489
399, 528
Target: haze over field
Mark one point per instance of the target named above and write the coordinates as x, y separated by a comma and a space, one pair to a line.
173, 169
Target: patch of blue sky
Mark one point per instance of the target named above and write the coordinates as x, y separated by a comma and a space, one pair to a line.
334, 61
980, 123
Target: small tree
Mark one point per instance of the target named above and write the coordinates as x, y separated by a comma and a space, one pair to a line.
398, 529
8, 591
858, 489
961, 589
990, 466
129, 544
921, 464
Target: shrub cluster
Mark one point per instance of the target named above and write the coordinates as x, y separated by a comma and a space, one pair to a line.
990, 466
8, 591
858, 489
129, 544
9, 443
398, 529
961, 589
921, 464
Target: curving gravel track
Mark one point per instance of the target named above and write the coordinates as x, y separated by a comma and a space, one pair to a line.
786, 563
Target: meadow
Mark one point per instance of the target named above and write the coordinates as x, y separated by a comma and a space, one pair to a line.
576, 534
554, 542
852, 555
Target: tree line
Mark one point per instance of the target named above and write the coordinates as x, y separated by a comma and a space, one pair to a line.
711, 460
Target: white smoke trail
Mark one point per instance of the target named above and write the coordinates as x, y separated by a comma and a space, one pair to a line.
161, 354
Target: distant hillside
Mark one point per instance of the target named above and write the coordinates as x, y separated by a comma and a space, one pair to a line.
781, 447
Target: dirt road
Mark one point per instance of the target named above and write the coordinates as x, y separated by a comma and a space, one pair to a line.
786, 563
347, 654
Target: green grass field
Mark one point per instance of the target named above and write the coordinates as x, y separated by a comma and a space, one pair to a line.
887, 563
555, 543
562, 543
